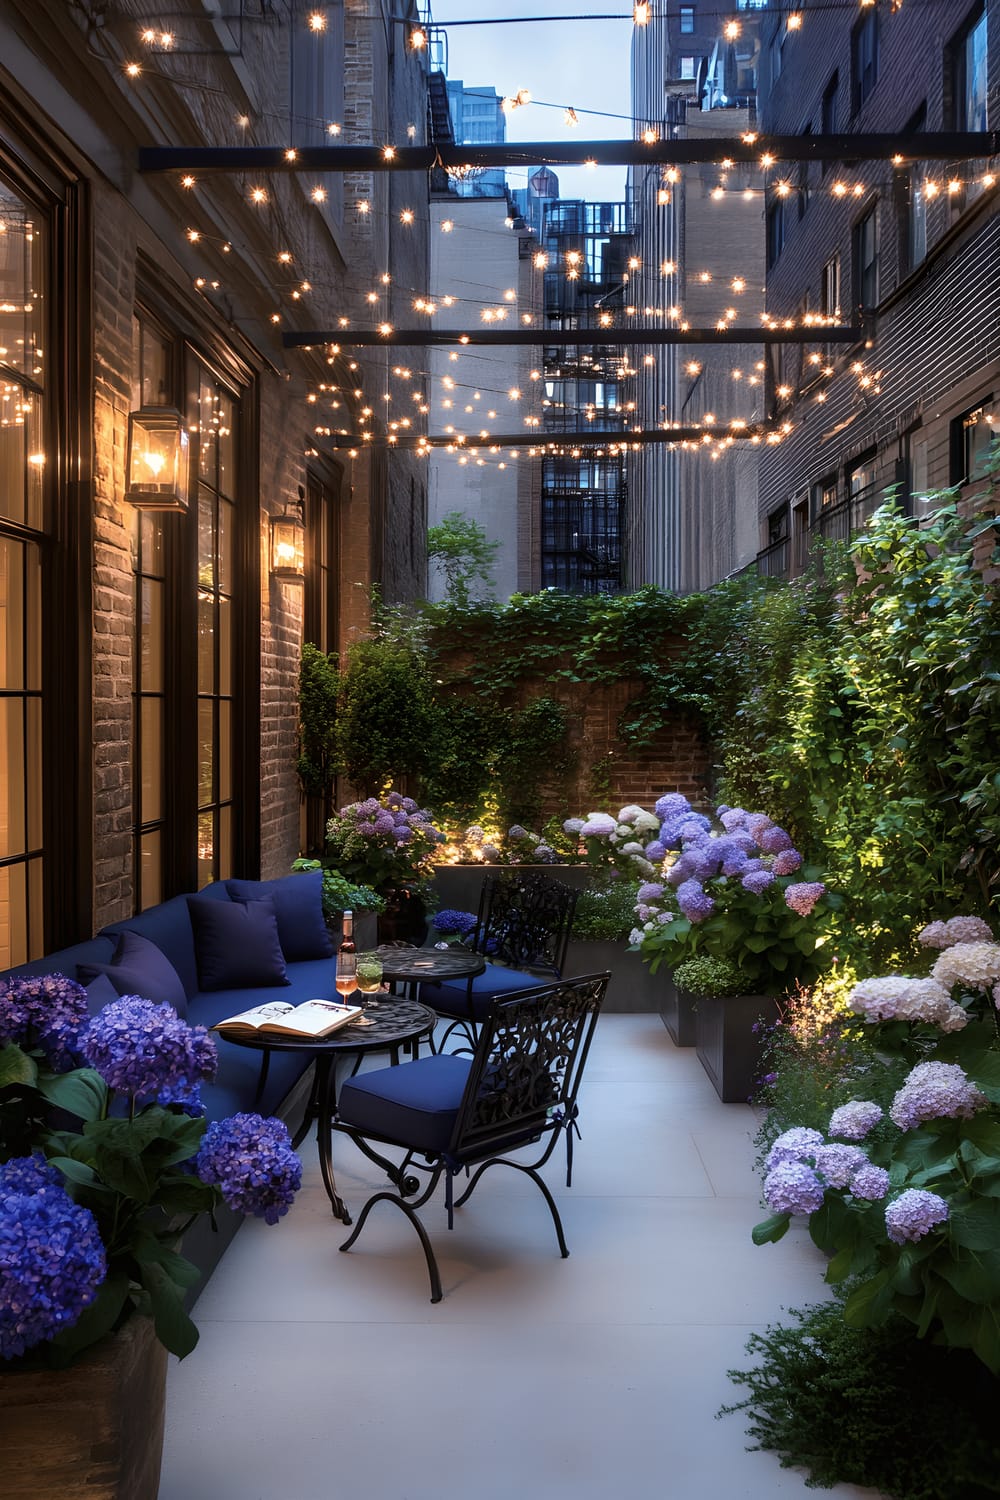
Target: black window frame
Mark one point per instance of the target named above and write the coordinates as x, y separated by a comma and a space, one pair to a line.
775, 231
958, 70
864, 272
963, 464
864, 59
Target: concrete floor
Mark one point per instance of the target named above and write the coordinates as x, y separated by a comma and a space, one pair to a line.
320, 1375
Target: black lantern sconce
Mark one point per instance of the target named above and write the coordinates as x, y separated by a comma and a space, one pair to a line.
288, 542
157, 469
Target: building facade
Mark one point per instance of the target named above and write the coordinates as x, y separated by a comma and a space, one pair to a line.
908, 249
151, 655
477, 119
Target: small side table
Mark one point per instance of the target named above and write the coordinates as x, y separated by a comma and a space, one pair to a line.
397, 1021
415, 966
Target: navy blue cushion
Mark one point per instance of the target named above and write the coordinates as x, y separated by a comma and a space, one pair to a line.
140, 967
414, 1104
495, 983
235, 1085
100, 992
236, 944
298, 906
169, 927
67, 960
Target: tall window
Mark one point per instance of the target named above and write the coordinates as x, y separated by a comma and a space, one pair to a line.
912, 202
687, 18
969, 81
828, 112
23, 527
829, 290
804, 179
866, 260
864, 59
972, 438
775, 231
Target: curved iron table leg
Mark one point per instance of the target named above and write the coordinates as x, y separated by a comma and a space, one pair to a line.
325, 1092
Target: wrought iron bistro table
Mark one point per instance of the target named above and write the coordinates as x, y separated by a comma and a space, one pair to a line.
396, 1023
415, 966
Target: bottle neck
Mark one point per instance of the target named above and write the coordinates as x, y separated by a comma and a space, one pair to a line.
347, 934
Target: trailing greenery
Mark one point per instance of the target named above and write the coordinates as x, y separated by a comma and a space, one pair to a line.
712, 978
872, 1406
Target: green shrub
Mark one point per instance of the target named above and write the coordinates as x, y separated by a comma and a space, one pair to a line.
712, 978
606, 913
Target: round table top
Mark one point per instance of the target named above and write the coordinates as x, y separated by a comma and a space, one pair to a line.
415, 964
394, 1021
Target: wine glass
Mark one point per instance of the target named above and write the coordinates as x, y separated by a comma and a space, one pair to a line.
369, 977
347, 975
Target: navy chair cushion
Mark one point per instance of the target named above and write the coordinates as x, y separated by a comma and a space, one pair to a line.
236, 944
100, 992
414, 1104
298, 906
493, 984
140, 967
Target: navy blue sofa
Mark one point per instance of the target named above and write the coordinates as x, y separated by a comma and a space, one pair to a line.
169, 927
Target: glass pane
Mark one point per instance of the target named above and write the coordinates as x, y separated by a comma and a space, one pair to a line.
151, 542
136, 363
206, 538
150, 883
225, 547
12, 457
225, 647
151, 740
13, 916
206, 644
32, 413
33, 771
206, 848
22, 289
151, 636
225, 842
12, 788
33, 617
227, 446
11, 614
207, 422
36, 939
206, 751
225, 749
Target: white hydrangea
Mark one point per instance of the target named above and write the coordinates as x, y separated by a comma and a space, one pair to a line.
636, 935
974, 964
647, 823
899, 997
630, 813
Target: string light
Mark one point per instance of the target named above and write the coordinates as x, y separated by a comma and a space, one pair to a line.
317, 21
640, 13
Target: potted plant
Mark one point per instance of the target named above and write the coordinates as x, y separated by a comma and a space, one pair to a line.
603, 919
106, 1160
389, 844
340, 895
717, 1012
735, 890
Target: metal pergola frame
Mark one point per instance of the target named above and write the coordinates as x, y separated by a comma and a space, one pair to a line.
547, 441
345, 338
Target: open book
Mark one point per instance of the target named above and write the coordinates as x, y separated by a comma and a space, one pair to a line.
312, 1018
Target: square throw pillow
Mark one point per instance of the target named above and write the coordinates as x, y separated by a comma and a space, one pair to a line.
236, 944
298, 906
139, 967
100, 992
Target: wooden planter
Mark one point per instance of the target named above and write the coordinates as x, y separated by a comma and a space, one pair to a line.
632, 987
93, 1432
678, 1010
729, 1048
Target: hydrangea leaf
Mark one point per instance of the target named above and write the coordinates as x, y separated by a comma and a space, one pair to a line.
976, 1225
94, 1322
174, 1328
870, 1304
771, 1230
82, 1093
16, 1066
974, 1275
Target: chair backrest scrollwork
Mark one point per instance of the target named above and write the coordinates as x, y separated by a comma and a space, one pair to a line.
525, 921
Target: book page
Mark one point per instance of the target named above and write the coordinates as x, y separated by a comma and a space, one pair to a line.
313, 1018
260, 1015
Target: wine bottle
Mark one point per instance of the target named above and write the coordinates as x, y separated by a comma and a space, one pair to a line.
347, 962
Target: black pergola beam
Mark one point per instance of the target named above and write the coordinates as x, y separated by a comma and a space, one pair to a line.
939, 145
470, 443
345, 338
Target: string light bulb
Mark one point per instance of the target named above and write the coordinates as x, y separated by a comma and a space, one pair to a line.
317, 21
418, 38
640, 13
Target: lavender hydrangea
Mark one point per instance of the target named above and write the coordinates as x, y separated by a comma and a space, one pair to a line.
757, 824
869, 1182
802, 898
774, 840
44, 1011
52, 1261
672, 805
732, 818
573, 825
598, 825
757, 881
935, 1091
146, 1050
913, 1214
955, 930
251, 1160
455, 923
787, 862
974, 964
793, 1188
694, 901
836, 1162
651, 891
796, 1144
28, 1174
898, 997
853, 1121
655, 851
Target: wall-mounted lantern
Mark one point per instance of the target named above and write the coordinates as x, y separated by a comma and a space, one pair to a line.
157, 466
288, 544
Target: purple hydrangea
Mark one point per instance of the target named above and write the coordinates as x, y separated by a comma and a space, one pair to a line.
409, 805
853, 1121
367, 828
52, 1262
795, 1144
368, 808
670, 831
682, 869
573, 825
651, 891
913, 1214
656, 850
787, 862
251, 1160
774, 840
705, 861
146, 1050
694, 901
869, 1182
802, 898
671, 806
384, 822
695, 826
757, 825
955, 930
757, 881
44, 1011
28, 1174
732, 818
455, 922
935, 1091
793, 1188
403, 835
836, 1163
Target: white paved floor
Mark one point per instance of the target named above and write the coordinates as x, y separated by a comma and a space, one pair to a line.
321, 1376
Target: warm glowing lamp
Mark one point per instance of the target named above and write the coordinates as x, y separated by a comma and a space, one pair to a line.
157, 465
288, 544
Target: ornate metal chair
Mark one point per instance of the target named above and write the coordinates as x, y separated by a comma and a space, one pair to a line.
523, 927
450, 1113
